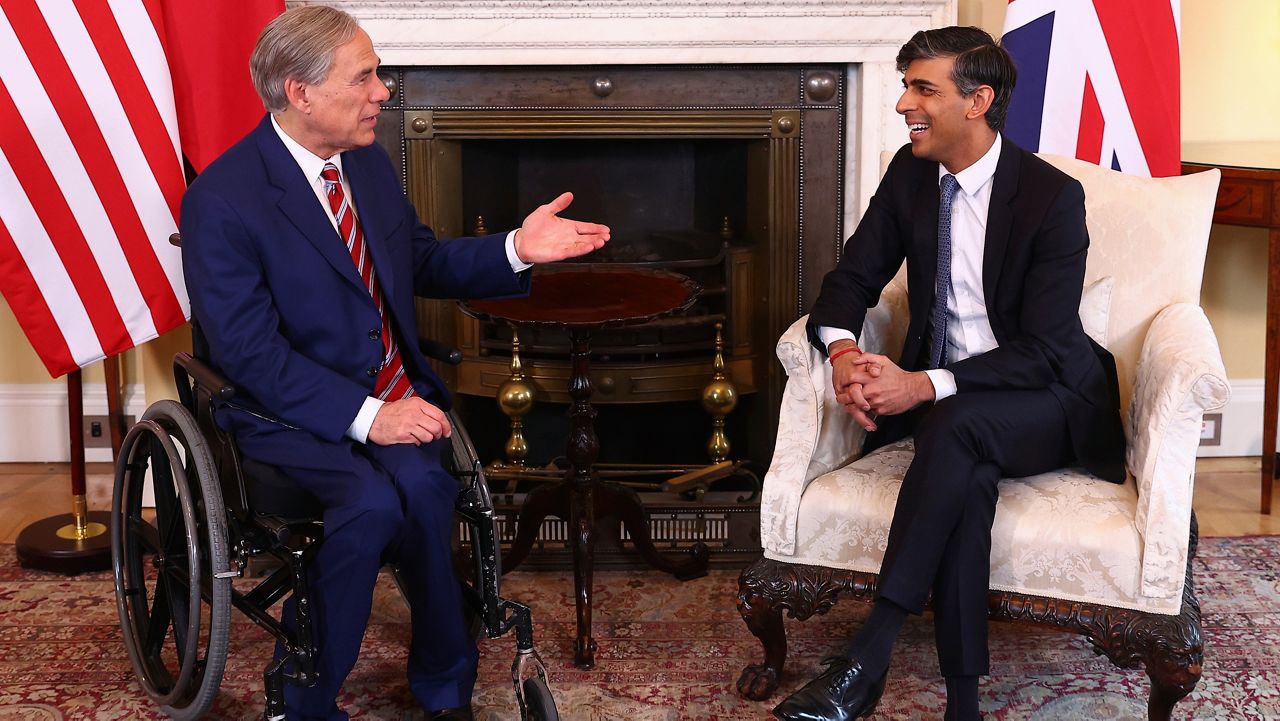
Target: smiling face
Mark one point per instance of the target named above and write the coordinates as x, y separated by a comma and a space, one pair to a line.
341, 112
945, 126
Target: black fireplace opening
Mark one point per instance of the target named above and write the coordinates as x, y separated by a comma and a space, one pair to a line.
671, 204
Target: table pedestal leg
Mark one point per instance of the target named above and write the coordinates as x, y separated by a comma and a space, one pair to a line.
1272, 370
623, 504
542, 501
584, 448
581, 498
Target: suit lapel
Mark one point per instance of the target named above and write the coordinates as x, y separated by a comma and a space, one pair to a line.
373, 215
999, 220
924, 229
299, 204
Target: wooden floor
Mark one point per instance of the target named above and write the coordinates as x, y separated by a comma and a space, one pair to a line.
1226, 497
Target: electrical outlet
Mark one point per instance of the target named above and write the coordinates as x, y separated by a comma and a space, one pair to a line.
97, 430
1211, 430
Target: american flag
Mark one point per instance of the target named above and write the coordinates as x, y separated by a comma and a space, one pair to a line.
91, 171
1098, 80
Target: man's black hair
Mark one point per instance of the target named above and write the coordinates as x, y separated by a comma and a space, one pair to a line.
980, 60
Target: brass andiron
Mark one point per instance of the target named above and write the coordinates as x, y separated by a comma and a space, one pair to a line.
719, 398
479, 229
515, 398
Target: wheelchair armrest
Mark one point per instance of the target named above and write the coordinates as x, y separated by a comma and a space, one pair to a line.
439, 351
203, 375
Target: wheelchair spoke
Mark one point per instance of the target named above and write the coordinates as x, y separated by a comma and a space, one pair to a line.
158, 619
168, 510
145, 534
178, 610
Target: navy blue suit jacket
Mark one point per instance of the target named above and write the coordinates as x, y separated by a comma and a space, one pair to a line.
276, 294
1032, 277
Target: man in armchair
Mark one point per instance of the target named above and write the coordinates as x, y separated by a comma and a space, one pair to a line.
997, 378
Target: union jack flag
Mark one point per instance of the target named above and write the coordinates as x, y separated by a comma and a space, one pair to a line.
1098, 80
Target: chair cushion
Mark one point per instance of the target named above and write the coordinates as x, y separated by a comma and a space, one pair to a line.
1095, 308
1063, 534
1151, 235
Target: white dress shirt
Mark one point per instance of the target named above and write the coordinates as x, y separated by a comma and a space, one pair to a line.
312, 165
968, 327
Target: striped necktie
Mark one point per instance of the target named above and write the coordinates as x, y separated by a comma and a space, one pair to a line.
392, 383
938, 351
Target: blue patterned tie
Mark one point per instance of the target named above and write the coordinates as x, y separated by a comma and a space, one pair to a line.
938, 351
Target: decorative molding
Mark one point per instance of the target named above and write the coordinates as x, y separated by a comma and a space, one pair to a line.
34, 426
864, 35
617, 9
586, 32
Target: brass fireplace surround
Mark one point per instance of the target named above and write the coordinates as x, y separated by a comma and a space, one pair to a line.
780, 128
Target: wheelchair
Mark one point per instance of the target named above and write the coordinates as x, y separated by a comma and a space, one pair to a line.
216, 513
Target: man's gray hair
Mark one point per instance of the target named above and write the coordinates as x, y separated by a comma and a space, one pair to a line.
299, 44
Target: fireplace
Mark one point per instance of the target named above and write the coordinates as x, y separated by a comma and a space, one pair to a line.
797, 94
785, 105
730, 175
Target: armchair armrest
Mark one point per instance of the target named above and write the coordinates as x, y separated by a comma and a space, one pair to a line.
1180, 376
815, 435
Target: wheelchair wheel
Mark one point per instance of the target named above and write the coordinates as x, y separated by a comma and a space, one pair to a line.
173, 592
538, 703
462, 460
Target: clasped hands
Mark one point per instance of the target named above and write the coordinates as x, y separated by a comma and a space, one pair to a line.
869, 385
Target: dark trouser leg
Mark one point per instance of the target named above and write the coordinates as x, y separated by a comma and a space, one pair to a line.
362, 520
940, 538
960, 587
442, 654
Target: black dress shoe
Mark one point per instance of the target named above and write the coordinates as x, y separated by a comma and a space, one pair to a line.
840, 693
462, 713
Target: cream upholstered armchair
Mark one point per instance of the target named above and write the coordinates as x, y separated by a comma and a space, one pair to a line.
1112, 562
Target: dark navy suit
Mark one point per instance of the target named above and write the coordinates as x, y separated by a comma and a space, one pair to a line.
1044, 398
289, 321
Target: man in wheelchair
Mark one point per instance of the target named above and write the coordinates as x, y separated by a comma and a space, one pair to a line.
302, 259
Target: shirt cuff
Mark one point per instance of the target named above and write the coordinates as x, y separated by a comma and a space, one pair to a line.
944, 383
359, 429
829, 335
517, 265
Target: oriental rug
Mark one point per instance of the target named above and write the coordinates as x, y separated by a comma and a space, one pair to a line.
668, 651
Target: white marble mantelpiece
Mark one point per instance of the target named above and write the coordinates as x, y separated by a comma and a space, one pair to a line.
864, 35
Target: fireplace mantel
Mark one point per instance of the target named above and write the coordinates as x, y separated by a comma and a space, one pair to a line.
863, 34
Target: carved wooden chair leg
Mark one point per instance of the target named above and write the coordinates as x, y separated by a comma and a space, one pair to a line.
1175, 649
760, 601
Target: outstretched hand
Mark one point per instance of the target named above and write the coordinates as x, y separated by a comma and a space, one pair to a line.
545, 237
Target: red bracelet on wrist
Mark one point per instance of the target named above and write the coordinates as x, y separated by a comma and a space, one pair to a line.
851, 349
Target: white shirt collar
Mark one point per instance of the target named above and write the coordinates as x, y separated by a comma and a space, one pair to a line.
977, 175
310, 163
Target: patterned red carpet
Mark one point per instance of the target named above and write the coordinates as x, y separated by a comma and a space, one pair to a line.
668, 650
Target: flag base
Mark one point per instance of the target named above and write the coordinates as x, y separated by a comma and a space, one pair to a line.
41, 546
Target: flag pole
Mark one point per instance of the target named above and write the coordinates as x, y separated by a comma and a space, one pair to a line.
73, 542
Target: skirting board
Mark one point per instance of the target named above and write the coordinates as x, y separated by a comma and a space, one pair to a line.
34, 426
1241, 430
33, 421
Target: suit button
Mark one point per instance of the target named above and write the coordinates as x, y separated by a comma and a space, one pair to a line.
371, 371
375, 334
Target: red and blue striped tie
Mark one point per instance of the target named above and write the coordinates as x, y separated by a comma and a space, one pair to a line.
392, 383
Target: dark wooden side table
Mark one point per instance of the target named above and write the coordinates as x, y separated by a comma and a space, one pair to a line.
1250, 195
581, 301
